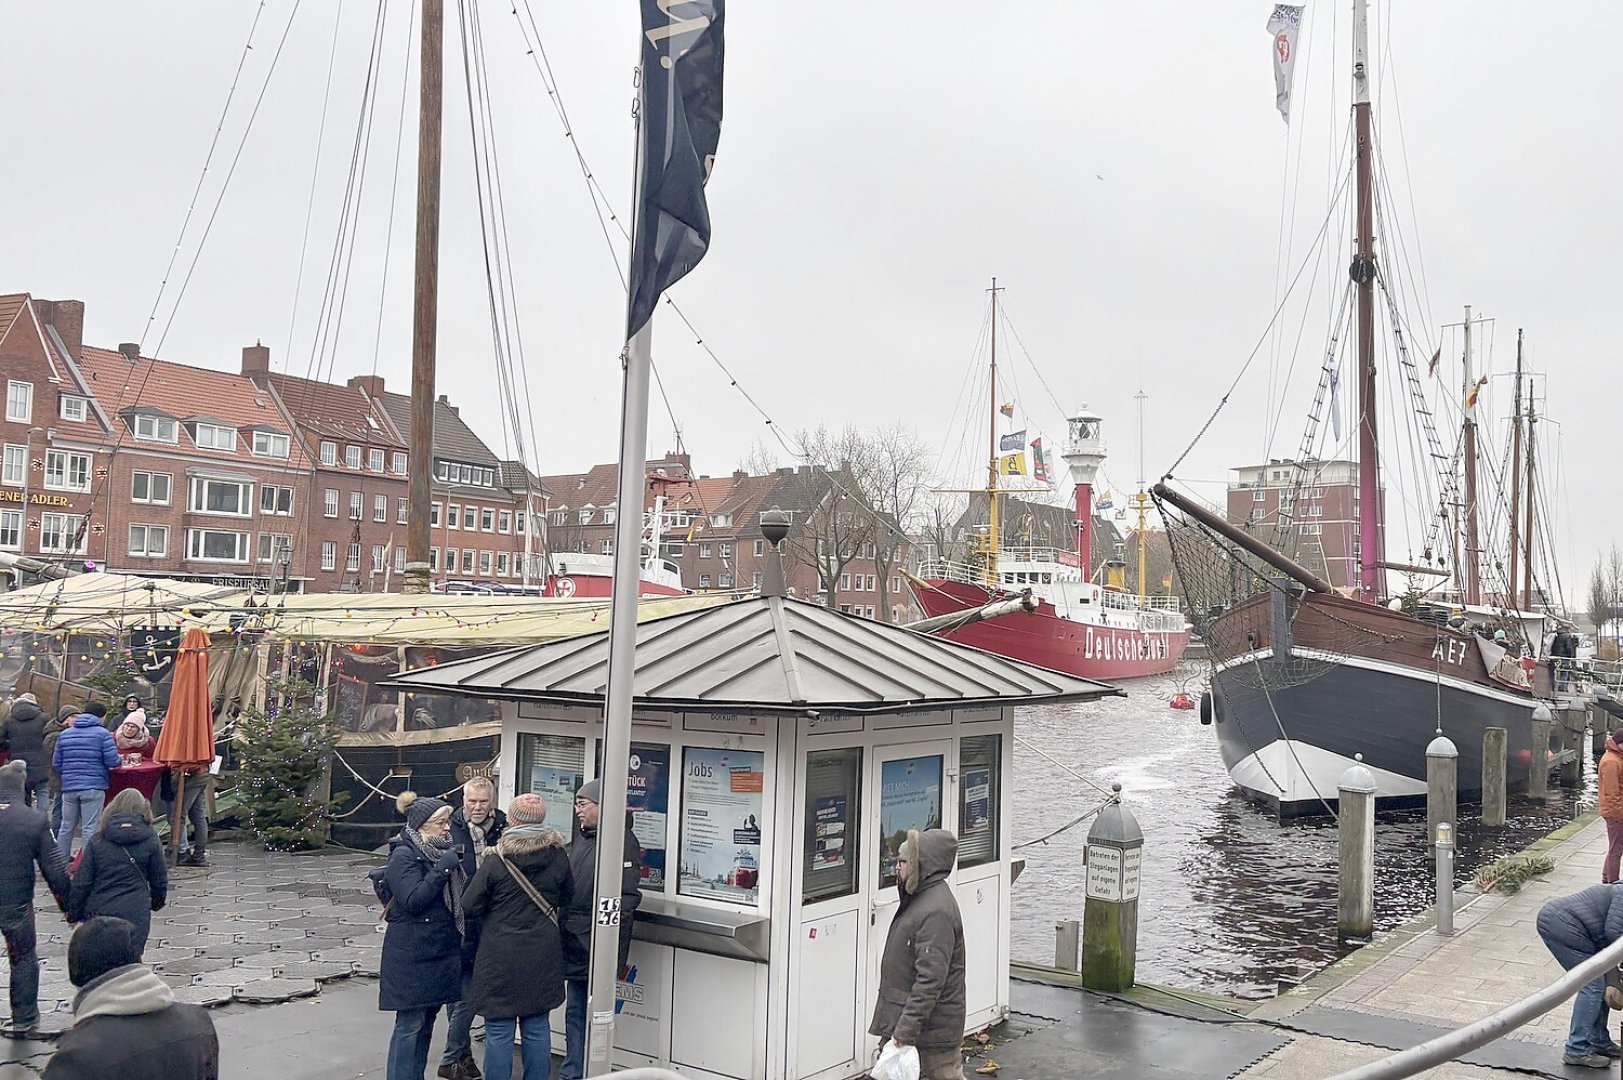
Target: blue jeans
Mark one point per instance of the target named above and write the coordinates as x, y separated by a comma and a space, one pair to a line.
574, 1030
1587, 1032
79, 808
408, 1045
39, 795
537, 1048
458, 1022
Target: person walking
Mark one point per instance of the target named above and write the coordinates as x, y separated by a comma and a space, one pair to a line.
422, 943
22, 735
518, 973
83, 754
579, 914
121, 870
921, 972
53, 731
476, 826
127, 1024
1609, 789
25, 843
1575, 928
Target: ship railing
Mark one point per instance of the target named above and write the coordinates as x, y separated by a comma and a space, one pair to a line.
947, 570
1131, 602
1031, 555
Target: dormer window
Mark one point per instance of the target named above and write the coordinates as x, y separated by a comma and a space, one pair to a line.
73, 407
329, 453
352, 457
151, 428
214, 437
271, 444
721, 521
586, 516
608, 515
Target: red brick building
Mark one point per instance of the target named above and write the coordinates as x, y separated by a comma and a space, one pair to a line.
1307, 509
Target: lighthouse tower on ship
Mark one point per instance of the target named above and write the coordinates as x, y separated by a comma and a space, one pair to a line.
1084, 453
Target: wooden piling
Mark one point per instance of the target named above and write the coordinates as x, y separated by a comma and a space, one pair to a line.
1494, 743
1442, 785
1538, 777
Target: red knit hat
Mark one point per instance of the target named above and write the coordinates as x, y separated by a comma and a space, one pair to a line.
527, 809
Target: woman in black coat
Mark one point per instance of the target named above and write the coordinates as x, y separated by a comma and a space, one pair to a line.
422, 942
122, 871
518, 973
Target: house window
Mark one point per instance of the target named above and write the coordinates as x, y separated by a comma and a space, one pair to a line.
352, 457
357, 506
454, 516
329, 456
11, 529
377, 558
215, 437
725, 581
873, 586
329, 507
150, 487
19, 401
216, 545
442, 472
434, 515
149, 541
704, 551
156, 429
270, 444
560, 517
61, 534
275, 547
352, 558
72, 407
484, 563
501, 564
674, 551
400, 560
469, 514
450, 560
1259, 495
329, 555
275, 500
375, 460
606, 547
434, 559
504, 521
726, 550
487, 519
16, 465
401, 511
380, 508
399, 463
467, 560
755, 581
608, 515
704, 581
586, 516
895, 584
845, 582
65, 471
226, 497
760, 548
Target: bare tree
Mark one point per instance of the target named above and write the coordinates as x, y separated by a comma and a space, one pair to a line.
892, 474
1600, 598
837, 522
938, 514
761, 459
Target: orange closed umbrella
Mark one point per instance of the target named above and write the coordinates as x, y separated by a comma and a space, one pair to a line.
187, 739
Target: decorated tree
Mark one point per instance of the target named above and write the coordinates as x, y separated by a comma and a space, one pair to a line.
283, 753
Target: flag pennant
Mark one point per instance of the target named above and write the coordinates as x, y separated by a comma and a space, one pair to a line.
1332, 373
1007, 409
1012, 464
1283, 25
1039, 463
1105, 502
1436, 358
1476, 389
1015, 440
680, 124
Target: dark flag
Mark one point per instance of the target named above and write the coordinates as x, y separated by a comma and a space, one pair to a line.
154, 652
680, 126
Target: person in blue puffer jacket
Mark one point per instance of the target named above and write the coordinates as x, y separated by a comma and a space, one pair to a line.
83, 754
1574, 929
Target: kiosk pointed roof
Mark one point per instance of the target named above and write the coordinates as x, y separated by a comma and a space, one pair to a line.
763, 654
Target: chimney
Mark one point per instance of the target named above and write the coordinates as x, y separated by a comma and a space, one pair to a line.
739, 474
68, 316
371, 384
804, 470
446, 401
131, 351
256, 359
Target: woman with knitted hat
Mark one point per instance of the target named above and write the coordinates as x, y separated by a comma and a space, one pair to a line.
518, 973
422, 943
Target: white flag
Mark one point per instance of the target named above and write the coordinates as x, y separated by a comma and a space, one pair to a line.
1286, 21
1332, 372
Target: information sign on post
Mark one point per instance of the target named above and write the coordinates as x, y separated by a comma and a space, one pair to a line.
1115, 854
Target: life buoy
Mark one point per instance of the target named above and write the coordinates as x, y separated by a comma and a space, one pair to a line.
1182, 701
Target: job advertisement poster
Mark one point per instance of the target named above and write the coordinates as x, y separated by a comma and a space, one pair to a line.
648, 798
828, 832
909, 798
721, 823
977, 815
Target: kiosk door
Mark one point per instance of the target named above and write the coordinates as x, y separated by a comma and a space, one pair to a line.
910, 784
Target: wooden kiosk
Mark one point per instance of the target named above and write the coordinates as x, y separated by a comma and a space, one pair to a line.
780, 753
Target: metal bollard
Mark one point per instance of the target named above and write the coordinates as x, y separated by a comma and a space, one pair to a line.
1110, 912
1067, 944
1355, 884
1538, 776
1442, 784
1494, 742
1445, 879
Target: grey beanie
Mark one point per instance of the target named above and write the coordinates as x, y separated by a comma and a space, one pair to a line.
591, 791
13, 778
419, 808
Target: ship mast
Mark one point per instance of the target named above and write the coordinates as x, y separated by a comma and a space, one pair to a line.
1515, 478
994, 538
1473, 568
1370, 532
1141, 500
1527, 561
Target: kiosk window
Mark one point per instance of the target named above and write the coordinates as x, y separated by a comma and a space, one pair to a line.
553, 767
721, 823
648, 802
980, 767
833, 797
909, 798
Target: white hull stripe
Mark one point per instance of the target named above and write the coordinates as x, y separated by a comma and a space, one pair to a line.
1430, 678
1298, 772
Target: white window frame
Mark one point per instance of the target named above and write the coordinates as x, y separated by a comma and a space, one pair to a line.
329, 503
152, 478
377, 558
451, 554
329, 554
453, 515
272, 444
14, 472
329, 452
504, 521
19, 401
485, 560
760, 548
164, 429
433, 515
608, 515
197, 499
400, 560
215, 437
352, 457
725, 580
606, 547
726, 547
374, 459
487, 519
352, 559
502, 564
380, 508
62, 525
61, 463
467, 560
279, 542
704, 581
197, 542
275, 491
402, 512
11, 525
704, 551
70, 404
357, 506
399, 463
470, 518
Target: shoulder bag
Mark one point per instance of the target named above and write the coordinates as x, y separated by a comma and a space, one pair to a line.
529, 890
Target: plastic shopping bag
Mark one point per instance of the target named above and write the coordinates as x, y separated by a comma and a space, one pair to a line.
896, 1063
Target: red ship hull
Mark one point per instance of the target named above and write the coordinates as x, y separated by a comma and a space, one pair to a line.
1045, 638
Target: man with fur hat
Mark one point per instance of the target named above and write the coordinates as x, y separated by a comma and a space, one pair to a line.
25, 842
422, 942
921, 974
578, 918
127, 1024
22, 734
476, 827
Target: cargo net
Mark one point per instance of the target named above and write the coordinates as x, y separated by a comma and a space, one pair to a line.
1228, 591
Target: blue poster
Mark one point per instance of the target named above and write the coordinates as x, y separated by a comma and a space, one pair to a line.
828, 832
977, 815
648, 797
909, 798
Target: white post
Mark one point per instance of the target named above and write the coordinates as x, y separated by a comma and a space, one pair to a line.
1355, 889
1445, 879
1442, 784
1538, 777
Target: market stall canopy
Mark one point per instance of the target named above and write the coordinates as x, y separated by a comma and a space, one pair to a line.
108, 603
763, 654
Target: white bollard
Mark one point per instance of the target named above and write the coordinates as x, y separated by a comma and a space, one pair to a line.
1445, 879
1355, 889
1442, 784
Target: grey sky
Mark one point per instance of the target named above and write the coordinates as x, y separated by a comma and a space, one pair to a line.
1117, 166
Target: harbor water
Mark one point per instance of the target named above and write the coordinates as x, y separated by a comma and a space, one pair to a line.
1233, 902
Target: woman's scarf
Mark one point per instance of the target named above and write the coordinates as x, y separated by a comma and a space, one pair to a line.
455, 881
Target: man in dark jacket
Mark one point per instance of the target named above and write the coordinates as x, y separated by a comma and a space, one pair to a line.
83, 754
921, 974
1575, 928
23, 735
25, 842
475, 827
578, 918
127, 1024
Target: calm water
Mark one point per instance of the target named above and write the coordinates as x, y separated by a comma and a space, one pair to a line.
1233, 902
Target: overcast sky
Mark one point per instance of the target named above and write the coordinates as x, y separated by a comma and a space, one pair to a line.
1119, 167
